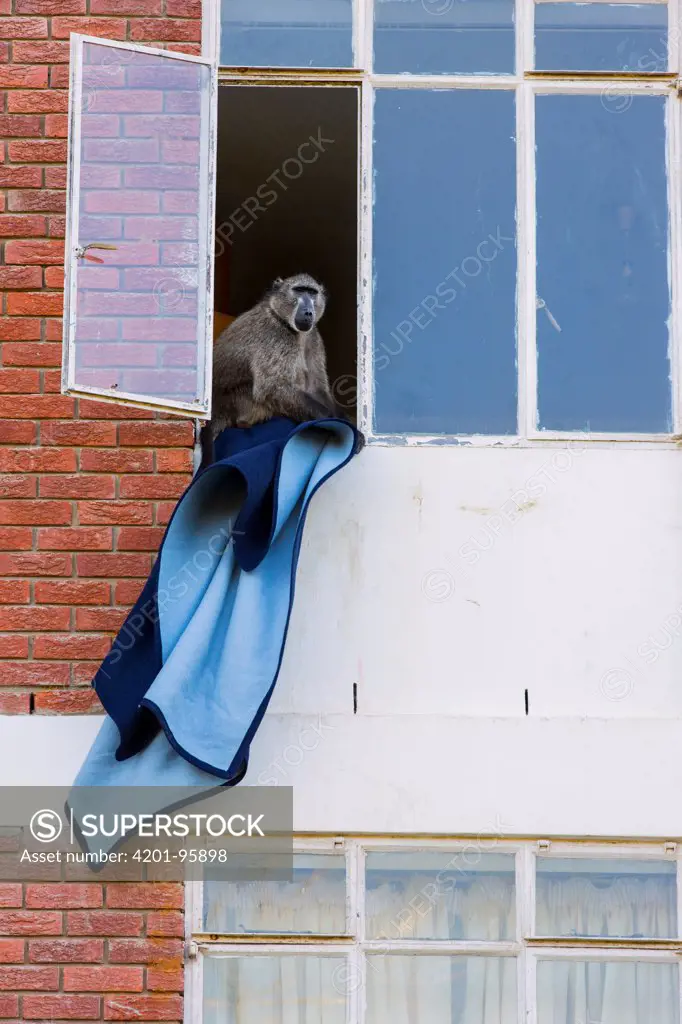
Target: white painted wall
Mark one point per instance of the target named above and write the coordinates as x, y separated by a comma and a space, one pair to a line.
423, 584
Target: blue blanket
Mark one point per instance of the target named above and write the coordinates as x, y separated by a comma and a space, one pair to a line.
191, 672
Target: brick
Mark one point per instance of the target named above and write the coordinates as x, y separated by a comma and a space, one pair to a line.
18, 330
32, 303
20, 277
28, 922
15, 538
20, 177
24, 101
166, 29
90, 486
56, 125
25, 354
23, 28
109, 28
145, 895
34, 618
34, 674
144, 1007
102, 620
33, 252
41, 201
94, 434
67, 702
32, 564
103, 979
9, 1006
12, 432
37, 460
171, 485
65, 648
168, 977
13, 646
58, 539
15, 704
55, 177
18, 226
134, 7
78, 592
112, 566
40, 52
126, 592
111, 410
61, 1007
20, 125
167, 923
182, 8
4, 52
48, 7
139, 538
17, 487
67, 895
29, 978
53, 329
11, 951
144, 951
56, 227
40, 152
53, 513
163, 435
10, 896
40, 407
14, 592
164, 510
15, 382
115, 512
104, 922
64, 951
54, 277
133, 460
175, 461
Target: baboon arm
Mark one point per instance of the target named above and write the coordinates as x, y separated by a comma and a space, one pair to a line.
297, 405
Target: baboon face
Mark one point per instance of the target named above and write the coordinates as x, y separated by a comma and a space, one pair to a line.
300, 301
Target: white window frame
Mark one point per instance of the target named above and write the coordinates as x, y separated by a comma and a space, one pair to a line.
526, 947
526, 83
201, 409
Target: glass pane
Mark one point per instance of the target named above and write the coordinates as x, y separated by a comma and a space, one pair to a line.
432, 895
444, 262
441, 36
275, 990
287, 33
144, 186
601, 37
441, 990
622, 993
602, 251
314, 902
609, 898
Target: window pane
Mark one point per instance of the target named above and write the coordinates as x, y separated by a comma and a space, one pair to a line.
441, 990
625, 993
275, 990
440, 36
287, 33
602, 251
431, 895
313, 902
610, 898
601, 37
143, 181
444, 262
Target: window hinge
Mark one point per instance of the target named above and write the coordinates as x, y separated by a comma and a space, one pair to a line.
670, 847
544, 844
191, 950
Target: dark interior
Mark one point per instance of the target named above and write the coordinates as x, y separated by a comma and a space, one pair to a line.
311, 225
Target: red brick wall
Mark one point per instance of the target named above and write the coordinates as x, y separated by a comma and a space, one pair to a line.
91, 952
85, 490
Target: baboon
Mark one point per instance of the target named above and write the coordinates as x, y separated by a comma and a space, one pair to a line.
271, 361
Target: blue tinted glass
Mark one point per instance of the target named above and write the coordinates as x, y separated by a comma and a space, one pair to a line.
445, 262
602, 264
438, 36
287, 33
601, 37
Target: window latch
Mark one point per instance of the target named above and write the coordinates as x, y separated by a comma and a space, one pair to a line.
81, 251
191, 950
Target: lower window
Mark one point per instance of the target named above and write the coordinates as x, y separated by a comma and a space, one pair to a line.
442, 932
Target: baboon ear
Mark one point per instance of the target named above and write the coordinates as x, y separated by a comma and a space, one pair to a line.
278, 282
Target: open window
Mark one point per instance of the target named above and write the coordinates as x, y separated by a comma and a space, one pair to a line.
139, 248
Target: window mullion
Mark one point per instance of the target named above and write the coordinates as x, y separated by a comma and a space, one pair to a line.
674, 155
365, 371
526, 261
